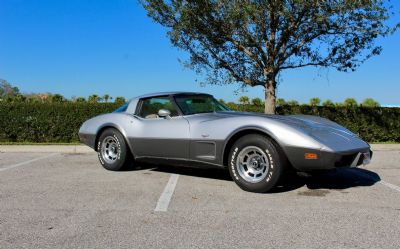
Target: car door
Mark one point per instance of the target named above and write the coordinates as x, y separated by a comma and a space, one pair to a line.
161, 137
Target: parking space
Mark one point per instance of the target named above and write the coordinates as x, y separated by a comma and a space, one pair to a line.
11, 159
69, 201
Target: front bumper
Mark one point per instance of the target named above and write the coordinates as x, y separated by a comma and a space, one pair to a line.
326, 159
88, 139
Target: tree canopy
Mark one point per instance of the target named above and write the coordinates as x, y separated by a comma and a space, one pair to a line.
251, 41
370, 102
315, 101
7, 90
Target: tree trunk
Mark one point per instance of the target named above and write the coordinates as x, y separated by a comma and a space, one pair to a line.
270, 97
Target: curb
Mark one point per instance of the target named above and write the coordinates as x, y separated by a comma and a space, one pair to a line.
68, 149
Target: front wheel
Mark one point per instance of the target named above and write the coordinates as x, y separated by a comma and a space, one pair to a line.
255, 163
112, 150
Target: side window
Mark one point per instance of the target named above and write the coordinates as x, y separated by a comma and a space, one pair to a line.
151, 106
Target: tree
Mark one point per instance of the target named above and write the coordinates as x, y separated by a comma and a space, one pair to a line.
94, 98
292, 102
7, 90
120, 100
328, 103
232, 105
252, 42
80, 99
350, 102
222, 101
280, 102
244, 100
106, 97
57, 98
338, 104
370, 102
256, 102
315, 101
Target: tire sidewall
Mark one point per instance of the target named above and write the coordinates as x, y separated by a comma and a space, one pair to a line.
122, 150
274, 170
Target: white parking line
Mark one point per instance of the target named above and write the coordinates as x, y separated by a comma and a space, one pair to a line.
389, 185
27, 162
165, 198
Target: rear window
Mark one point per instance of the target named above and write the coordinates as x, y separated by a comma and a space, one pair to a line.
122, 108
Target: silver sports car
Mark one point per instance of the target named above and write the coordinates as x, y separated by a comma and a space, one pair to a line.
194, 129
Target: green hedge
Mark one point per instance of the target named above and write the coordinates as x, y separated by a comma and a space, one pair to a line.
59, 122
377, 124
48, 122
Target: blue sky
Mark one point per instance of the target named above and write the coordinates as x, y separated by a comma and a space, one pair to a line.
81, 47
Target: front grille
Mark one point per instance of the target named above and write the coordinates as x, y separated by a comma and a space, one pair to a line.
346, 160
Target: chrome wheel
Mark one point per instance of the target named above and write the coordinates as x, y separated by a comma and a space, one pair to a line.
110, 149
252, 164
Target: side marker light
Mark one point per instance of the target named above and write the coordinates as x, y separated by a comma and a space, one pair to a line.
310, 156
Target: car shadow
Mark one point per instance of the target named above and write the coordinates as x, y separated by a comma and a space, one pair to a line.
337, 179
212, 173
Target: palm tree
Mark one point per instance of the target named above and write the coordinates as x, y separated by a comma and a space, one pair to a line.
280, 102
315, 101
107, 97
57, 98
370, 102
80, 99
257, 102
328, 102
244, 100
293, 102
94, 98
350, 102
120, 100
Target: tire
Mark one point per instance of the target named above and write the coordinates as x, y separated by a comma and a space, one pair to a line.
112, 150
265, 163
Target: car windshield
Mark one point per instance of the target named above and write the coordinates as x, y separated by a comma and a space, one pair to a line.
193, 104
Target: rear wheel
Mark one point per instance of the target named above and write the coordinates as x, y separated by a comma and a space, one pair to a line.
255, 163
112, 150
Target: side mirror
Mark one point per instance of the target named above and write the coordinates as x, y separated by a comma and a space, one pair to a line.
164, 113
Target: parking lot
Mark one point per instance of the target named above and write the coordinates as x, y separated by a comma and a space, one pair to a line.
67, 200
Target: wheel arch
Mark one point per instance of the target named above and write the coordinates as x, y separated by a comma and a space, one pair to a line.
237, 134
113, 126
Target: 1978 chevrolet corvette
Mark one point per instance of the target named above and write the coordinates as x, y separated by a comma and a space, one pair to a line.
194, 129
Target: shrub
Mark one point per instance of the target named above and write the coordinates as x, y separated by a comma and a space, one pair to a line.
60, 122
379, 124
46, 122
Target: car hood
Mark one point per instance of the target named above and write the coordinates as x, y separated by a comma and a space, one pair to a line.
321, 129
301, 121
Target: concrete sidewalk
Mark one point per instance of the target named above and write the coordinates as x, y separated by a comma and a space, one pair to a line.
83, 149
68, 149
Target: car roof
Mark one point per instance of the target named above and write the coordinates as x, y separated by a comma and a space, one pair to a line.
134, 101
149, 95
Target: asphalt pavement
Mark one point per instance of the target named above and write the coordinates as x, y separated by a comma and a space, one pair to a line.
63, 198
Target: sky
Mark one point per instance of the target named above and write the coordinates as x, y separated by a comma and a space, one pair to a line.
84, 47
